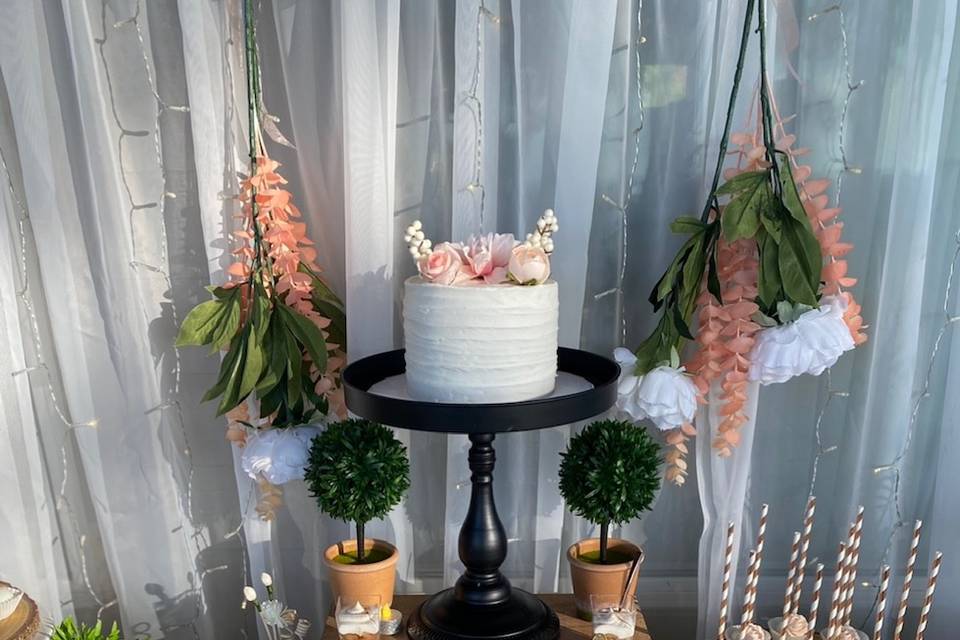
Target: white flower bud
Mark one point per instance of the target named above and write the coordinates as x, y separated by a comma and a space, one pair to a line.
417, 225
419, 235
249, 593
415, 252
548, 213
266, 579
426, 244
407, 238
554, 227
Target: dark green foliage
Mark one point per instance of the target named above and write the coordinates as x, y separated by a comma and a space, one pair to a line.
610, 472
68, 630
357, 471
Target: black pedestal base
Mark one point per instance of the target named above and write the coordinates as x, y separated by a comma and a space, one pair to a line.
521, 617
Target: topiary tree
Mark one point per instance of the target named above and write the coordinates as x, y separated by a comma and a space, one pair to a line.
357, 472
609, 474
68, 630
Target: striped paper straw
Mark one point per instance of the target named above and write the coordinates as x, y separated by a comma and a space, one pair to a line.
928, 597
907, 579
837, 586
791, 574
725, 589
746, 614
852, 572
881, 602
754, 577
815, 605
762, 529
804, 548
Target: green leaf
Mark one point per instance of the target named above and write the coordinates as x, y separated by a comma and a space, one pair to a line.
656, 348
713, 277
791, 197
260, 313
794, 266
674, 358
294, 365
771, 223
748, 180
252, 366
272, 399
227, 366
681, 324
275, 348
741, 216
693, 268
231, 393
687, 224
201, 323
307, 334
769, 275
229, 322
763, 319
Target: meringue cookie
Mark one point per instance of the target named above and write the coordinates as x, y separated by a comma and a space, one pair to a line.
811, 344
794, 627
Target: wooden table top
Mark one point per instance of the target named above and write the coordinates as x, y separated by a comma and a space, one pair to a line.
23, 623
571, 627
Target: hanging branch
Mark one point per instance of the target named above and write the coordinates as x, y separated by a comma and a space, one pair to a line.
276, 316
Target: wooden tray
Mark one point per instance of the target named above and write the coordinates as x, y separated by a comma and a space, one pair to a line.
23, 623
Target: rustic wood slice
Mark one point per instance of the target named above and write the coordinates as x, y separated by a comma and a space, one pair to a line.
23, 623
571, 627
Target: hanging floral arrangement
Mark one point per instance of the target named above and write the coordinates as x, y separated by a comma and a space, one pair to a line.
282, 330
763, 274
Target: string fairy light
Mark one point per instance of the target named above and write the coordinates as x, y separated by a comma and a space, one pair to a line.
473, 103
852, 86
25, 296
622, 204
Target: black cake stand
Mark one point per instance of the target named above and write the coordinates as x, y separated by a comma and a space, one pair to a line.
482, 604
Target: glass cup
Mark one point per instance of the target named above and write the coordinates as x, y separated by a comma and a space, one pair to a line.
613, 619
358, 618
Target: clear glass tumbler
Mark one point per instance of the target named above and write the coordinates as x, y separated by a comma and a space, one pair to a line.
613, 619
358, 618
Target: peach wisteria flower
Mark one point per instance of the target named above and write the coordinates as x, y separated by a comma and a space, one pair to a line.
665, 394
529, 265
442, 265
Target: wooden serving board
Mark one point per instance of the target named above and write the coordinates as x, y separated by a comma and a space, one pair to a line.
23, 623
571, 627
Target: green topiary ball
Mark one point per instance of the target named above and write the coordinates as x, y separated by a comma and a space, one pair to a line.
357, 471
610, 472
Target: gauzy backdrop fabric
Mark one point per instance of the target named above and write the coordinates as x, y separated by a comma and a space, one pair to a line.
133, 504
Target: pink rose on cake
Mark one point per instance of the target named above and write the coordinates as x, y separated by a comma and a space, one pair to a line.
488, 257
443, 265
529, 265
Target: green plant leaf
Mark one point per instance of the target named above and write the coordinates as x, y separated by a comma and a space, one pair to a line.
741, 216
748, 180
231, 392
713, 277
294, 365
229, 322
687, 224
693, 268
769, 274
610, 472
791, 197
260, 311
799, 282
357, 471
307, 334
227, 366
682, 329
201, 323
252, 366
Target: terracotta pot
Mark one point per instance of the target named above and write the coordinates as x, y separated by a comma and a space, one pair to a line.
600, 579
353, 581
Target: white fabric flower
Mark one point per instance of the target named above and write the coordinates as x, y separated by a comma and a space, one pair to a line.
271, 612
279, 455
811, 344
664, 394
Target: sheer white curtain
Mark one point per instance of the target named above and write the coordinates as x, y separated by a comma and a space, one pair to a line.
122, 130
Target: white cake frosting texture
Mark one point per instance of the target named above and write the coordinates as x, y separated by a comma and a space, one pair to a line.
480, 343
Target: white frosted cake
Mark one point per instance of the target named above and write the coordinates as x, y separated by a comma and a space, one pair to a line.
480, 321
480, 343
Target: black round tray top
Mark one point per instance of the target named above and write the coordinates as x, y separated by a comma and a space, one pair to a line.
538, 413
482, 605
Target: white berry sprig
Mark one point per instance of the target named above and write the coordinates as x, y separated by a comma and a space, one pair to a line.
418, 244
542, 237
